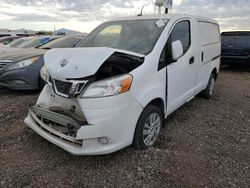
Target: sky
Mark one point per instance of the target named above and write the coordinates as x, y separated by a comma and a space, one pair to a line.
85, 15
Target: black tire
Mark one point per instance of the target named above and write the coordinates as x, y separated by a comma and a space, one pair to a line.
149, 112
208, 92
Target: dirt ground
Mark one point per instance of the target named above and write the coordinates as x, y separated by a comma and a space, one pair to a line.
206, 143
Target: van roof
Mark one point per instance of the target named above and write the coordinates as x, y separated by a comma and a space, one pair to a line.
163, 16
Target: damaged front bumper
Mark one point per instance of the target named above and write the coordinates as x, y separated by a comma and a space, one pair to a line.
98, 126
37, 118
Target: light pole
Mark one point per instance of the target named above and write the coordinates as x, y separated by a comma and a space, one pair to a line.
167, 4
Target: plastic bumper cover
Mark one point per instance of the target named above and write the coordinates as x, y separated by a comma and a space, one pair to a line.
112, 118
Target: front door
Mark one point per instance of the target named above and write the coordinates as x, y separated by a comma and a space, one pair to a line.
181, 74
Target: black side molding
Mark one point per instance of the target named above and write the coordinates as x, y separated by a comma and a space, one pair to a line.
216, 57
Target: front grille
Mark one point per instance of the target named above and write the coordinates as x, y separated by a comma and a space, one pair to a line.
63, 87
50, 80
69, 88
3, 64
80, 88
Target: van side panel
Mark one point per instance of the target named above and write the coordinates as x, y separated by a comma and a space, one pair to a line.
209, 50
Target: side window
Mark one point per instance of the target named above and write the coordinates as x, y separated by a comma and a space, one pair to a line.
180, 32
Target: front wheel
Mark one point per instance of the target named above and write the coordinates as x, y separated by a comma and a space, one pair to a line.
148, 127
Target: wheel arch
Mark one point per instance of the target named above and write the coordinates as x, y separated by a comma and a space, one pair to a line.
215, 73
158, 102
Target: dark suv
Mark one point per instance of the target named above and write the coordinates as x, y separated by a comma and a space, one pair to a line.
235, 47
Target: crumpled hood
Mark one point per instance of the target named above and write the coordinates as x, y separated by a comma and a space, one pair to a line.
78, 62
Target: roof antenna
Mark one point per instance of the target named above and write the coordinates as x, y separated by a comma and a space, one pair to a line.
141, 11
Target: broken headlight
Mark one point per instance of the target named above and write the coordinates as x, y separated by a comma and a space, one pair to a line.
108, 87
44, 73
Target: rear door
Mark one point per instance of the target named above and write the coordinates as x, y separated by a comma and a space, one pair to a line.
181, 74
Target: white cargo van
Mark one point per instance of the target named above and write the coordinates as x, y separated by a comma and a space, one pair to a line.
125, 78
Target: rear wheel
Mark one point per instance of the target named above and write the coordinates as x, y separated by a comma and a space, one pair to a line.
208, 92
148, 127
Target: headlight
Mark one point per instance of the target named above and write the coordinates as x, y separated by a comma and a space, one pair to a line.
22, 64
108, 87
44, 73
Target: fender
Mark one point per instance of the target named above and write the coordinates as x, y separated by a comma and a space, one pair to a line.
155, 88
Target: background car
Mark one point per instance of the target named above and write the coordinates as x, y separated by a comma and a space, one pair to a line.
235, 48
8, 34
15, 43
20, 70
30, 42
37, 41
7, 40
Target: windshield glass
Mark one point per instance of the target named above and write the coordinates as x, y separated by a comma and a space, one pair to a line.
6, 41
24, 41
137, 36
15, 42
237, 40
34, 42
63, 42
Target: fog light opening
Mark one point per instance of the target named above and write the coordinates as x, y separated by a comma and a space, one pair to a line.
103, 140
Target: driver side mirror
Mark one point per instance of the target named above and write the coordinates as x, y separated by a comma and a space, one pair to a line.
177, 50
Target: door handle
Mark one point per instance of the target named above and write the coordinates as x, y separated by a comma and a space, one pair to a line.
202, 56
191, 60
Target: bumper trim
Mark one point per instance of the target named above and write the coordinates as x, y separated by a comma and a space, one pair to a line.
46, 128
54, 117
70, 147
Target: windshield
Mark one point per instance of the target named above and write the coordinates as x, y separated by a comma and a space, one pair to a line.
137, 36
237, 40
16, 42
63, 42
6, 41
34, 42
24, 41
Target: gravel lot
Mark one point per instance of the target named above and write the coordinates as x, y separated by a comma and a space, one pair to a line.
204, 143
